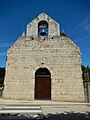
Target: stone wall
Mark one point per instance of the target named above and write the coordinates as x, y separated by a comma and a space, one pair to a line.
58, 54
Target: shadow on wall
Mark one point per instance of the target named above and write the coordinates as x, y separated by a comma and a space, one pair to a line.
2, 75
1, 91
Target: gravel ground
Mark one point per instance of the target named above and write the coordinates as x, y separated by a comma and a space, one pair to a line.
61, 116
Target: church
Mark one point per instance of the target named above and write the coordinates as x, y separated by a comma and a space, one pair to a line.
44, 65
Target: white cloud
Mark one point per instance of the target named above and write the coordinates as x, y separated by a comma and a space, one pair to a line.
87, 27
85, 23
2, 45
3, 54
82, 38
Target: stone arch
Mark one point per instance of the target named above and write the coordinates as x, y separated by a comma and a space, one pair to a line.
42, 71
43, 28
42, 84
41, 66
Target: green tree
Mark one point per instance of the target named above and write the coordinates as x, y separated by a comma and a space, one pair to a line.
85, 72
87, 69
2, 75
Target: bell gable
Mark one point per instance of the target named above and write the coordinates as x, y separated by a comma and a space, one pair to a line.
43, 25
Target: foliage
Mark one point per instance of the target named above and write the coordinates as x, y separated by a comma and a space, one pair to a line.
85, 70
2, 75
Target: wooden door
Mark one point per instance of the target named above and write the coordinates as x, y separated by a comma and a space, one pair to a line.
43, 87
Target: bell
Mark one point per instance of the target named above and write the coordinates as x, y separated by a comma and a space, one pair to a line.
43, 33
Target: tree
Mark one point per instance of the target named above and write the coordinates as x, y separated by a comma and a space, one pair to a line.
2, 75
85, 72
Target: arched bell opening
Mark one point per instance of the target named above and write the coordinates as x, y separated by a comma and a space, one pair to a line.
43, 28
42, 84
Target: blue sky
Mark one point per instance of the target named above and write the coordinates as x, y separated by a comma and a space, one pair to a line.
72, 15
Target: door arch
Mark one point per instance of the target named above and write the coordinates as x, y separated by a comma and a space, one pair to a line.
42, 84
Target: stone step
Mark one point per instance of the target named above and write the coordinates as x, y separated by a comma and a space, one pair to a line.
31, 109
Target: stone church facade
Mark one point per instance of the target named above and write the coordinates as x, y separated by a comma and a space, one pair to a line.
44, 65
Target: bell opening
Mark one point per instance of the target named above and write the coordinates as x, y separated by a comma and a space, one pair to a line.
42, 33
43, 28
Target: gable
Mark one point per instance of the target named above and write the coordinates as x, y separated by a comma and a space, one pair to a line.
53, 26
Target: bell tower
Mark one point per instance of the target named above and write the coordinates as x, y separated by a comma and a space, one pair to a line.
43, 25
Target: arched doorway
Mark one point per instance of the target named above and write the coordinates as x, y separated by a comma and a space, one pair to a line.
42, 84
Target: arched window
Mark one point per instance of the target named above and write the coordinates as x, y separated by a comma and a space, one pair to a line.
42, 28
